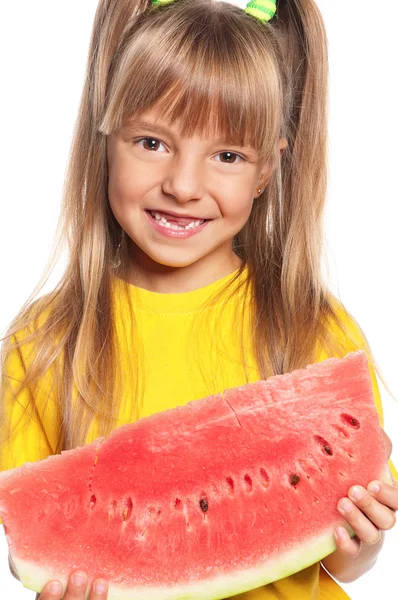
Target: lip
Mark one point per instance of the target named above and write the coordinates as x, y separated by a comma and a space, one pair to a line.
174, 233
174, 214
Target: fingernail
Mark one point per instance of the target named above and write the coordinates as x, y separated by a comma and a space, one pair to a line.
374, 487
55, 587
356, 493
79, 578
345, 505
100, 586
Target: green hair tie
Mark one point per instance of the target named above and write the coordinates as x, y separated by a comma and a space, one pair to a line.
263, 10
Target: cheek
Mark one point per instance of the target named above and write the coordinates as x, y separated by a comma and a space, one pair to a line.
237, 208
121, 196
115, 196
122, 185
128, 178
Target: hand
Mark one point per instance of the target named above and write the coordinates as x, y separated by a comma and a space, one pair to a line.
74, 591
368, 511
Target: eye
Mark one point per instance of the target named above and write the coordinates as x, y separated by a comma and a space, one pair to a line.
152, 145
230, 155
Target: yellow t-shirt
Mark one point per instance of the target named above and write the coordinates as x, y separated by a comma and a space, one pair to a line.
184, 354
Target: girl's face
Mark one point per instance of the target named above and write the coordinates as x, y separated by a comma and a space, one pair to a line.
154, 171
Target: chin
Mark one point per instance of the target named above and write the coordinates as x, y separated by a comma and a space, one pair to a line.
174, 257
175, 262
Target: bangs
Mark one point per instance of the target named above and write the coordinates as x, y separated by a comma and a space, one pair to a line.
206, 65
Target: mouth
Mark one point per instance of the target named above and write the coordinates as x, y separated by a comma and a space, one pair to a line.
170, 228
176, 222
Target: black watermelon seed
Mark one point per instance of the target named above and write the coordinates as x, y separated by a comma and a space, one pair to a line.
326, 447
204, 505
294, 479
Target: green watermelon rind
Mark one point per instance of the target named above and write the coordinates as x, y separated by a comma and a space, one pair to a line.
215, 588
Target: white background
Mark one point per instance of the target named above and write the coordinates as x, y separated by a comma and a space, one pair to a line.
43, 52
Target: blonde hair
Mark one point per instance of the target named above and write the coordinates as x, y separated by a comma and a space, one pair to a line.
258, 82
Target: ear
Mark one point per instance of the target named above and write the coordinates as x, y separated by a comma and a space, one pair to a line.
283, 143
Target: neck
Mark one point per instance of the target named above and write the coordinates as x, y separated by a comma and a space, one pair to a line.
146, 273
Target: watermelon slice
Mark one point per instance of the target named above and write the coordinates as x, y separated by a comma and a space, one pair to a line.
203, 501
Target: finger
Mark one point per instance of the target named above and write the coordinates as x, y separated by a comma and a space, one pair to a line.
77, 585
345, 544
380, 514
51, 591
99, 590
385, 493
364, 529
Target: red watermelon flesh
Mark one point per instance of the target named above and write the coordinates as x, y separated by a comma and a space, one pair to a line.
207, 500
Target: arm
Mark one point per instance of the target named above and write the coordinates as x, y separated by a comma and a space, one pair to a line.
356, 556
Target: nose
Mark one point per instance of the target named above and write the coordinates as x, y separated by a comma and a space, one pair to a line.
184, 179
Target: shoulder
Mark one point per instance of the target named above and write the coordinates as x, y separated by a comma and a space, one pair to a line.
18, 349
345, 328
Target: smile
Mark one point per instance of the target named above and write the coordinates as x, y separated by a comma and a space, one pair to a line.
172, 229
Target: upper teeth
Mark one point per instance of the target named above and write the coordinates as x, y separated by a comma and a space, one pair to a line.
162, 221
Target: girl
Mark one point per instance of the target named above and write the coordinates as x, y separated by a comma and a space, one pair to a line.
193, 212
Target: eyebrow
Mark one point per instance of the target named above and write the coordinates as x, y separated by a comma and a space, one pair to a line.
137, 123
